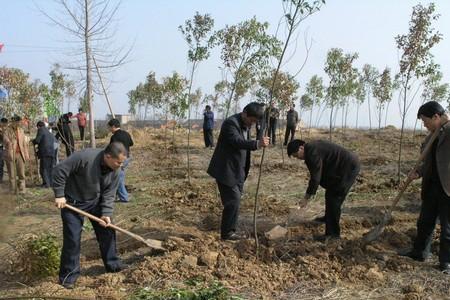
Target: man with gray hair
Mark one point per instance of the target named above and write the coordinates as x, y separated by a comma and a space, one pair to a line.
88, 180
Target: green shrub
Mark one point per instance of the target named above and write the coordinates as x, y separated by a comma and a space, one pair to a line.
215, 291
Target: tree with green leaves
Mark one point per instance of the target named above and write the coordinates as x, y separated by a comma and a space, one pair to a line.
315, 90
383, 93
359, 96
23, 97
369, 78
340, 70
174, 100
416, 60
246, 49
199, 35
295, 12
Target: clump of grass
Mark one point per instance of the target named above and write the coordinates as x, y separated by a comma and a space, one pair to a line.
194, 290
37, 257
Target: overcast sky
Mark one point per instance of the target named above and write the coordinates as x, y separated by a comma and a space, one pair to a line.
367, 27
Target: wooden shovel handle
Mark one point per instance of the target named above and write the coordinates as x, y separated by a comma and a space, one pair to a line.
115, 227
419, 161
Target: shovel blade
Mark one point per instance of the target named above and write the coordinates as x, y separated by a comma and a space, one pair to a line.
154, 244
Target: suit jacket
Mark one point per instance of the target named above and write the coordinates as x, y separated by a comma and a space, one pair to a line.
230, 162
330, 166
442, 161
45, 141
10, 142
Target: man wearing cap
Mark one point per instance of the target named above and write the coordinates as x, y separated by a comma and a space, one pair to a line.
435, 194
332, 167
16, 154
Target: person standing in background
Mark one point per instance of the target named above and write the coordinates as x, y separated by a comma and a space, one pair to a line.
81, 119
208, 127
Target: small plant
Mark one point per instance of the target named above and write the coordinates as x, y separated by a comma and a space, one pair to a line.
38, 257
194, 291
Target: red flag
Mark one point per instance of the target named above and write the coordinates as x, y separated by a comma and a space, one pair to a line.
1, 47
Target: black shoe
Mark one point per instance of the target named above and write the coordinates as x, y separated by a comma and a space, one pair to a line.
445, 268
326, 238
68, 285
413, 255
233, 236
320, 219
118, 268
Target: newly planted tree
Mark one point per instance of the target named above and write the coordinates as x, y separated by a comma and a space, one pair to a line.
295, 12
341, 72
383, 93
369, 78
200, 39
416, 60
315, 90
246, 49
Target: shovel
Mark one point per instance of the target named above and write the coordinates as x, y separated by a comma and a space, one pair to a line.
154, 244
378, 230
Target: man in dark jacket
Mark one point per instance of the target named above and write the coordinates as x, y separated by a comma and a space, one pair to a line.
435, 173
121, 136
230, 163
64, 132
332, 167
208, 127
45, 141
271, 119
291, 124
88, 180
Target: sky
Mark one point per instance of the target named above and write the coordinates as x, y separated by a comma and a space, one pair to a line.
367, 27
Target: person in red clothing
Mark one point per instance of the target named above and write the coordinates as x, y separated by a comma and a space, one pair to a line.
81, 118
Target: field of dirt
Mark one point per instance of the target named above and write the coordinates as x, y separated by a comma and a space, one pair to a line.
186, 218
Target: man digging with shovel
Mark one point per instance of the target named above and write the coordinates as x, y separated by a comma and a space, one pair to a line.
435, 173
335, 169
88, 180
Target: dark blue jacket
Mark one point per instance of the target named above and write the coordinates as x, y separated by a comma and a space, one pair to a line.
230, 162
208, 120
45, 141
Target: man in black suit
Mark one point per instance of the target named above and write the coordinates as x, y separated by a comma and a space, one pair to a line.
45, 141
230, 163
332, 167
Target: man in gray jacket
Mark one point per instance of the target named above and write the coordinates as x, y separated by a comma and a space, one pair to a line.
435, 173
88, 180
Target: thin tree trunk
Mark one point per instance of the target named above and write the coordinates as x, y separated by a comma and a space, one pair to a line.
189, 124
387, 110
331, 123
370, 114
401, 132
87, 50
357, 115
379, 129
310, 120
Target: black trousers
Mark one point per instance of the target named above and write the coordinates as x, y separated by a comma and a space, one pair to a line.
2, 163
273, 131
334, 198
45, 169
209, 138
81, 128
70, 255
231, 200
435, 204
290, 130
